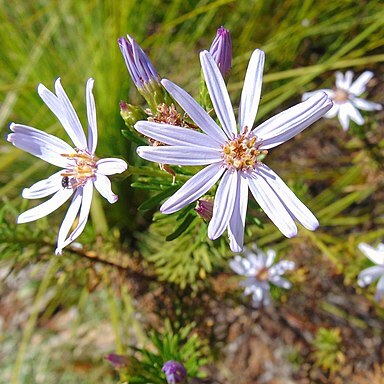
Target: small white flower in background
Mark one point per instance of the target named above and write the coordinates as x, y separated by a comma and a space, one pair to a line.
346, 100
81, 169
369, 275
260, 272
233, 152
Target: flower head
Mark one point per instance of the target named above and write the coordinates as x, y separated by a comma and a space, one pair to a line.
80, 170
259, 270
175, 372
369, 275
346, 100
221, 50
233, 153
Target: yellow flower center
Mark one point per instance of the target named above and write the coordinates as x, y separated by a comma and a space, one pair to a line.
82, 166
262, 275
242, 153
340, 96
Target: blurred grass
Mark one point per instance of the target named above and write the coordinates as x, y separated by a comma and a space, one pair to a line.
305, 41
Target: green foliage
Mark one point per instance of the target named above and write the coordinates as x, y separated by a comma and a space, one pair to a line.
184, 346
328, 353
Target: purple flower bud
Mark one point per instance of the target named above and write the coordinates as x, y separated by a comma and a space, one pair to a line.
118, 361
221, 50
204, 208
175, 372
139, 66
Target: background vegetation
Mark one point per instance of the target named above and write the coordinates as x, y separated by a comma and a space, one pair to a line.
59, 316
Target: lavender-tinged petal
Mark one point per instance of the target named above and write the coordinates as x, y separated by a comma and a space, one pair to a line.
237, 265
91, 115
280, 282
69, 219
83, 216
221, 50
283, 265
270, 257
250, 96
289, 123
44, 188
195, 112
340, 82
374, 255
359, 85
172, 135
180, 155
126, 50
353, 113
219, 94
195, 187
271, 205
299, 211
369, 275
366, 105
111, 166
348, 79
40, 144
343, 117
237, 221
44, 209
225, 198
308, 95
103, 185
379, 289
333, 111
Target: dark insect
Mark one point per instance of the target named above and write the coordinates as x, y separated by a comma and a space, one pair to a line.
65, 182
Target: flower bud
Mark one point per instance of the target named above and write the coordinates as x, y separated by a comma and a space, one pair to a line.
221, 50
175, 372
131, 114
204, 208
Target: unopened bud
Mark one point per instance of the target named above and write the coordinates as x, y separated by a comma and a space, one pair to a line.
221, 50
131, 114
204, 208
175, 372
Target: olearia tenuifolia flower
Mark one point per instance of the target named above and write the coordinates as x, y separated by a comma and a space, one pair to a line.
142, 72
175, 372
259, 271
369, 275
346, 100
81, 169
221, 50
233, 153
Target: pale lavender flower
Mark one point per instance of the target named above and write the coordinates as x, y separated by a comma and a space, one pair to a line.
260, 272
346, 100
81, 169
221, 50
369, 275
233, 153
175, 372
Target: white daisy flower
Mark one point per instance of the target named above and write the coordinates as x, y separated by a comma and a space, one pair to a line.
80, 170
346, 100
369, 275
233, 153
259, 271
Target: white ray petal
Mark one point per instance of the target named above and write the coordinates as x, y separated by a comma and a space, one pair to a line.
40, 144
271, 205
195, 187
44, 209
59, 107
111, 166
366, 105
333, 111
103, 185
172, 135
369, 275
250, 96
299, 211
353, 113
69, 219
307, 95
343, 117
359, 85
237, 221
195, 112
44, 188
380, 289
180, 155
83, 216
91, 116
224, 203
289, 123
373, 254
218, 93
